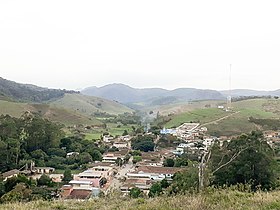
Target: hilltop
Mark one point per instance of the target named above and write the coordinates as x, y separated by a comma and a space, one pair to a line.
150, 96
220, 122
10, 90
66, 107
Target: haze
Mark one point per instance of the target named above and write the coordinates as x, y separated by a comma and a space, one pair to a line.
168, 44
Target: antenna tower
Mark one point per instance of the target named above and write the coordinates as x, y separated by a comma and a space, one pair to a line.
229, 92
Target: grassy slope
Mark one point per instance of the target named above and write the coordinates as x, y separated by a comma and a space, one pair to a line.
218, 200
237, 123
67, 117
72, 109
87, 105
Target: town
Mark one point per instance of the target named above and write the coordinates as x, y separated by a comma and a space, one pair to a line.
125, 168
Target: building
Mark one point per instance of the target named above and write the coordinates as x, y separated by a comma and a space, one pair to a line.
44, 170
10, 174
154, 173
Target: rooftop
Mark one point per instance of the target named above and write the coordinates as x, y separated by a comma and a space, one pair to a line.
158, 170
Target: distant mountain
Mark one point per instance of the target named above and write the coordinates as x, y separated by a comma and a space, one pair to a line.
150, 96
248, 92
10, 90
67, 107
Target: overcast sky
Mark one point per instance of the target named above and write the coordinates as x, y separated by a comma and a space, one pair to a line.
76, 44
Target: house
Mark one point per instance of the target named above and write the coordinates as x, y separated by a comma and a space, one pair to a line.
10, 174
113, 156
95, 175
69, 154
154, 173
120, 145
108, 138
44, 170
125, 138
142, 184
79, 190
165, 131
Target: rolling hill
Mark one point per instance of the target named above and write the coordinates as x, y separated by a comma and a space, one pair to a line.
150, 96
88, 105
231, 123
248, 92
67, 107
27, 93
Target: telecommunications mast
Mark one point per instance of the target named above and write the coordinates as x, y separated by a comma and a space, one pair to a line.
229, 92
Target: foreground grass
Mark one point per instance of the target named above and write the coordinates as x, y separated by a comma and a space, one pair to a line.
218, 200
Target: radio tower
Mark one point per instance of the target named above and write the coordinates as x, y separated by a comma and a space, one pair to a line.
229, 92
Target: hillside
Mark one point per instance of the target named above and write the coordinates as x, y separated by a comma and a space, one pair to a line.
150, 96
88, 105
211, 200
229, 123
71, 109
27, 93
60, 115
248, 92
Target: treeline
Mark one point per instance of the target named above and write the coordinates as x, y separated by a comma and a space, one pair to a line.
31, 138
270, 124
243, 98
246, 163
27, 93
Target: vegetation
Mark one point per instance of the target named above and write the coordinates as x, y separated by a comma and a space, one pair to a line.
143, 143
212, 199
245, 160
32, 93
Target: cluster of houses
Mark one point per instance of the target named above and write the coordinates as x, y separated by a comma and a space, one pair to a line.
117, 169
186, 131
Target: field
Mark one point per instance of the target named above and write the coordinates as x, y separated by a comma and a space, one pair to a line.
72, 109
237, 121
112, 128
212, 200
87, 105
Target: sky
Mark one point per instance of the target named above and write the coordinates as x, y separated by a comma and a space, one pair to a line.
168, 44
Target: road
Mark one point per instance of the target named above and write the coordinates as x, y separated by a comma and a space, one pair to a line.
116, 183
218, 120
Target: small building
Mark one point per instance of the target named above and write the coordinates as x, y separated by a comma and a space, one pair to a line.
120, 145
69, 154
44, 170
10, 174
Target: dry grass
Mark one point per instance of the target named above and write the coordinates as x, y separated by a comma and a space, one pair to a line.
218, 200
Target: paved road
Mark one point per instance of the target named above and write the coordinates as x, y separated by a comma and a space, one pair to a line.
115, 183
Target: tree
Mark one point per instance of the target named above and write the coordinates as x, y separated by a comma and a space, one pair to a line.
169, 162
45, 180
96, 155
246, 160
185, 181
125, 133
135, 192
155, 190
20, 193
67, 176
85, 157
136, 159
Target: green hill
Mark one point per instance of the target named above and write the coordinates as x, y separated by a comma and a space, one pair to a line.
27, 92
61, 115
236, 122
71, 109
88, 105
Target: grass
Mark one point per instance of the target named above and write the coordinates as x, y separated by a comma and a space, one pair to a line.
235, 124
87, 105
213, 200
199, 115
